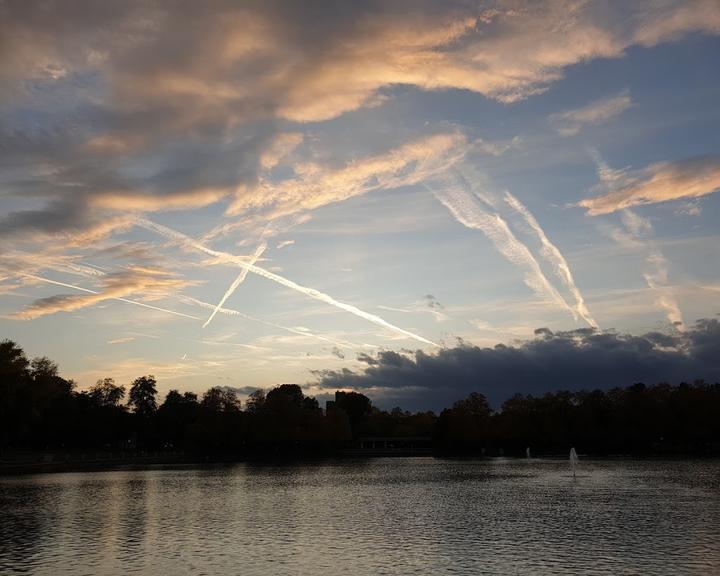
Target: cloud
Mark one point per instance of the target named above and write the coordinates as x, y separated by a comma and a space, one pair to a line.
282, 145
656, 272
310, 65
427, 305
284, 243
121, 340
661, 182
570, 122
574, 360
145, 107
314, 186
149, 283
507, 53
638, 234
132, 201
498, 147
433, 302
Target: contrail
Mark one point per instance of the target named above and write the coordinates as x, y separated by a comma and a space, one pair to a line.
239, 280
59, 264
135, 302
467, 210
657, 274
231, 312
552, 254
243, 263
640, 229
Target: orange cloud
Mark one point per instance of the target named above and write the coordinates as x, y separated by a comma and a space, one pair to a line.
151, 283
115, 143
659, 182
236, 62
314, 186
131, 201
570, 122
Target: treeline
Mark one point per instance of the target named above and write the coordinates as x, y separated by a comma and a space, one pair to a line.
40, 410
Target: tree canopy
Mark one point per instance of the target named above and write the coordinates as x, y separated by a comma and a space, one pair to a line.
40, 410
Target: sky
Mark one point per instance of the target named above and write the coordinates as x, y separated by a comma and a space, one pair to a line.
412, 199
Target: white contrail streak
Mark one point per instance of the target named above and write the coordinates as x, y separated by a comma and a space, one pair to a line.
552, 254
135, 302
239, 280
243, 263
231, 312
467, 210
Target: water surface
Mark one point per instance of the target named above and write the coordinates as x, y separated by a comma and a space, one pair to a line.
381, 516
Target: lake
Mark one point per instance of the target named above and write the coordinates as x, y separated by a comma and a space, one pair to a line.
366, 517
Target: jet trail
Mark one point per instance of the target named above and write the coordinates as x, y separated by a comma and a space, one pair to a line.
657, 275
239, 280
640, 234
231, 312
243, 263
135, 302
467, 210
552, 254
19, 258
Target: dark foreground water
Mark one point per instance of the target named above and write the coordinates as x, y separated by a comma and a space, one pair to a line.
383, 516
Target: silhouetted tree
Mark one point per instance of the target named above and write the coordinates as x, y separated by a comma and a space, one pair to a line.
284, 395
106, 393
218, 399
15, 400
176, 417
357, 407
40, 410
143, 394
465, 428
255, 401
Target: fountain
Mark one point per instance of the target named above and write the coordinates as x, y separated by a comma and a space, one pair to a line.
527, 452
573, 459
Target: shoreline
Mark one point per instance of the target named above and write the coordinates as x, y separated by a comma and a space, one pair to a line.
41, 464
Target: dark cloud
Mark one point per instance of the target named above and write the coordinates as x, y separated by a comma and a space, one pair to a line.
433, 302
575, 360
241, 390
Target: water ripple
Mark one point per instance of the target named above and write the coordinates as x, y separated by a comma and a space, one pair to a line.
397, 516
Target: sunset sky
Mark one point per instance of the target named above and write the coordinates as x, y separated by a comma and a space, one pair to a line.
353, 181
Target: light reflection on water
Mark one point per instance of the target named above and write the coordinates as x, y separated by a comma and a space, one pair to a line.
382, 516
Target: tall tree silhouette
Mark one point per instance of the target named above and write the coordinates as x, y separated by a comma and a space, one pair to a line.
143, 396
106, 393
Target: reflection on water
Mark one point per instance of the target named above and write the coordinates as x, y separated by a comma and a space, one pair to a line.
384, 516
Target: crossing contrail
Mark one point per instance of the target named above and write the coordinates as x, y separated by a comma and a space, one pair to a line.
552, 254
243, 263
239, 280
